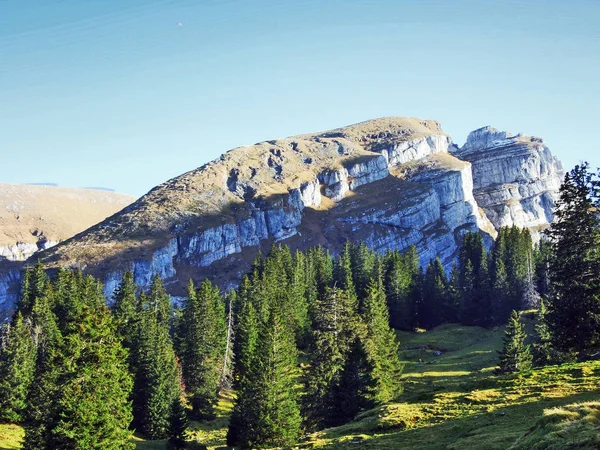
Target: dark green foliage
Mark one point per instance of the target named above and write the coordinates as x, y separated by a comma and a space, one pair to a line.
17, 368
125, 309
573, 315
32, 287
402, 287
543, 352
436, 305
515, 355
41, 412
202, 341
474, 281
93, 399
156, 382
80, 395
246, 340
266, 412
178, 423
334, 330
380, 347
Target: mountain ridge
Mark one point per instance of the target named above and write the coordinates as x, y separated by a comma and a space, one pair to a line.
391, 182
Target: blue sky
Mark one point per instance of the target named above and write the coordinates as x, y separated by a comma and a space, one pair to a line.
113, 93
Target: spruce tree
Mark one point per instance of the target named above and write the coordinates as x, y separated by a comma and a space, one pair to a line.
178, 423
156, 382
515, 355
573, 316
334, 326
266, 412
41, 413
17, 369
126, 309
93, 397
203, 339
246, 341
381, 347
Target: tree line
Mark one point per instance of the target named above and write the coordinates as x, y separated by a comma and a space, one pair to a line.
306, 341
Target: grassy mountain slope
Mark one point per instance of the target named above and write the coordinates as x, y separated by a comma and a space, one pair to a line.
452, 401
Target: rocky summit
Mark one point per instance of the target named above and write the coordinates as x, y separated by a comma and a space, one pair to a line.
390, 182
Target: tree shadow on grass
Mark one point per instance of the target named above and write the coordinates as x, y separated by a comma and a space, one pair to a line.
496, 429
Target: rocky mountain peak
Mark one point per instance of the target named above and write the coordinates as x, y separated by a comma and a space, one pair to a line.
390, 182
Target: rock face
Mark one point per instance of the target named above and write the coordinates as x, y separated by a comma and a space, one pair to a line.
516, 177
391, 182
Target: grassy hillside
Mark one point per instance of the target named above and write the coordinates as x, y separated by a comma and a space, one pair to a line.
452, 400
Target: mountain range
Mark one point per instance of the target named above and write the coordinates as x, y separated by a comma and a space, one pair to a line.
390, 182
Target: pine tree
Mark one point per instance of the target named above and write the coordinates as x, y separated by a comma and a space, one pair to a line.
227, 366
400, 279
266, 412
381, 347
334, 326
93, 401
17, 369
126, 308
435, 307
515, 355
178, 423
41, 413
573, 316
246, 341
156, 382
203, 339
543, 352
32, 287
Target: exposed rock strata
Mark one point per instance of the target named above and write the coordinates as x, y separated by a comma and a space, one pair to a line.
516, 177
390, 182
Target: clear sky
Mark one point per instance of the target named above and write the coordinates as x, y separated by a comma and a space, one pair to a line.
115, 93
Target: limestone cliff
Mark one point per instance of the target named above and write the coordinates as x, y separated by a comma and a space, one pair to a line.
391, 182
516, 177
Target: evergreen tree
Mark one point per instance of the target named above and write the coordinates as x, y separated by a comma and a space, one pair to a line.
126, 309
33, 286
17, 369
178, 423
474, 281
543, 352
246, 340
436, 306
400, 279
515, 355
266, 412
381, 347
573, 315
202, 339
227, 366
334, 327
156, 382
93, 398
41, 413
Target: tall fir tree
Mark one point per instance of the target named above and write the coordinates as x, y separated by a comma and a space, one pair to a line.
381, 347
573, 315
515, 355
246, 340
266, 412
334, 327
41, 413
203, 340
17, 369
93, 398
156, 382
178, 423
126, 309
